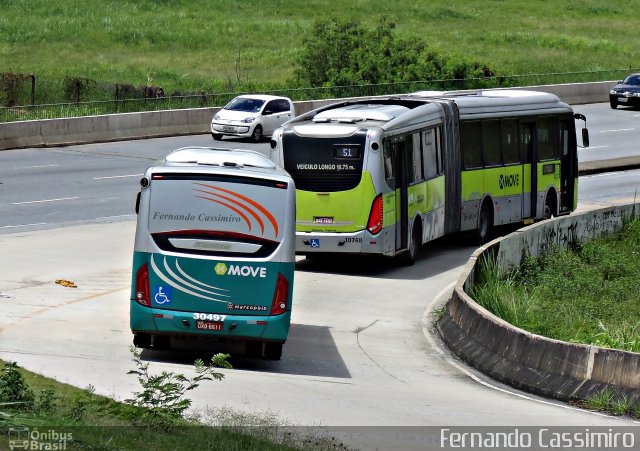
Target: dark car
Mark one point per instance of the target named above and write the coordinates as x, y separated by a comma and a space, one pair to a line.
627, 92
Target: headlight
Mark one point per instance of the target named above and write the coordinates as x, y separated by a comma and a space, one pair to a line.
217, 117
248, 120
613, 91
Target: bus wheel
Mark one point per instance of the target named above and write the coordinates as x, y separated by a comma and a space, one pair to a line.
253, 349
273, 351
549, 208
142, 341
161, 342
408, 258
485, 224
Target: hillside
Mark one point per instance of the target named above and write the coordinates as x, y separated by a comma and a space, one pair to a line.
190, 45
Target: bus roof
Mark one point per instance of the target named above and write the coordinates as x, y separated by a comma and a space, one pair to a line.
361, 112
218, 157
218, 160
496, 101
399, 110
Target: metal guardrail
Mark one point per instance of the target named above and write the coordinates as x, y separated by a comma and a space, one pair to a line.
158, 101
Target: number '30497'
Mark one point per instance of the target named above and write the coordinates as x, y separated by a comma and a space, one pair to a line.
209, 316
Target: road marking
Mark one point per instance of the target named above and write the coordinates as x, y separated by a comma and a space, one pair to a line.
23, 225
617, 130
117, 176
116, 217
45, 200
595, 147
38, 167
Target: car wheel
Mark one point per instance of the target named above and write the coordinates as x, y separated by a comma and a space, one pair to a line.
257, 134
485, 224
216, 136
613, 103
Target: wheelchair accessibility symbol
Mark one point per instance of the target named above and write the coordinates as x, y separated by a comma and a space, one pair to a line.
162, 294
314, 242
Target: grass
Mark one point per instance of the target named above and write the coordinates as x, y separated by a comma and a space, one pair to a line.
184, 45
100, 423
588, 295
585, 295
607, 401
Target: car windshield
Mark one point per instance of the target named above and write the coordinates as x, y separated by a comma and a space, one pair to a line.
632, 80
245, 104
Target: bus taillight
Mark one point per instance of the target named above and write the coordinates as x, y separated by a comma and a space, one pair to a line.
142, 286
376, 216
280, 296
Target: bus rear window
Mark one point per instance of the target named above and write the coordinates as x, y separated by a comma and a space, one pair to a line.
225, 206
324, 164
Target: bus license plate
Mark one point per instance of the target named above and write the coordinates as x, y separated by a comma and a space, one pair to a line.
209, 325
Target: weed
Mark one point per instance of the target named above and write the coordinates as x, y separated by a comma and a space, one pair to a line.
621, 405
163, 396
438, 313
587, 294
47, 401
13, 390
600, 401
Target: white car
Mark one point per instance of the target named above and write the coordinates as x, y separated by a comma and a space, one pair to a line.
252, 116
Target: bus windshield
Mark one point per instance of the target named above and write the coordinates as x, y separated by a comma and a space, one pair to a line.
324, 164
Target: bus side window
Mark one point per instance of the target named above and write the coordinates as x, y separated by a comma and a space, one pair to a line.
471, 144
430, 153
414, 158
526, 142
491, 143
388, 165
546, 146
564, 138
438, 141
509, 137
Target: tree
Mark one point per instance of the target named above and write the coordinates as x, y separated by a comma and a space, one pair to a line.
341, 52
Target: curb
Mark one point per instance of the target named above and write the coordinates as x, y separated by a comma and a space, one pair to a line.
536, 364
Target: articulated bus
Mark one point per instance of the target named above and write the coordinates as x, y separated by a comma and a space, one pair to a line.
384, 175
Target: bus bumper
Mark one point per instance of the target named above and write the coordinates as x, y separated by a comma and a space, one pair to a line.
362, 242
148, 320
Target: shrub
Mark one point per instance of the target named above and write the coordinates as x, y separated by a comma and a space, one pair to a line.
341, 52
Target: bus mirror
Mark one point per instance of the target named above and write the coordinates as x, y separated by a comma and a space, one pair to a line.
138, 203
585, 137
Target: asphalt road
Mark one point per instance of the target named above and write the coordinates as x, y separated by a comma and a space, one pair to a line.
362, 351
53, 187
613, 133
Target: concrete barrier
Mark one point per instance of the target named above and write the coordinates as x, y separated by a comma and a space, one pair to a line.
156, 124
552, 368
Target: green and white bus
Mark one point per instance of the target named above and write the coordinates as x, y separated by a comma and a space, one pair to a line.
214, 252
384, 175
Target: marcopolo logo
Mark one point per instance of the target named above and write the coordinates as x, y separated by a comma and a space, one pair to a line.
509, 180
243, 271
